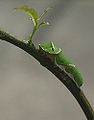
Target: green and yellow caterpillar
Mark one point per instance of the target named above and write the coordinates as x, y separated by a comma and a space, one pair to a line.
53, 52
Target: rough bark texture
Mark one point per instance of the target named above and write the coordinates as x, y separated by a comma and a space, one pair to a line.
53, 68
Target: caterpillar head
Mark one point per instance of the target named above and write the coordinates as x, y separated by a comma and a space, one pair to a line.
50, 50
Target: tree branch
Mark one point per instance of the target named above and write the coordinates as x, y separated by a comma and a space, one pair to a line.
53, 68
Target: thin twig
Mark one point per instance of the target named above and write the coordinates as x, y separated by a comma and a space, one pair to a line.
60, 74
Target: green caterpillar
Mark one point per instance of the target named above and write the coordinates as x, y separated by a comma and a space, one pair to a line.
53, 52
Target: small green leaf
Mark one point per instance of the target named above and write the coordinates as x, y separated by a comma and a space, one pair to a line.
30, 11
45, 11
42, 24
21, 8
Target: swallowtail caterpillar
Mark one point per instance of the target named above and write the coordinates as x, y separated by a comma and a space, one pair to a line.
56, 55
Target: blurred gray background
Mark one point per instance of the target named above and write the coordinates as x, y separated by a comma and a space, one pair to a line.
28, 91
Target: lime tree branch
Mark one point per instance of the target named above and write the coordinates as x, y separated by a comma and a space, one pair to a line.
53, 68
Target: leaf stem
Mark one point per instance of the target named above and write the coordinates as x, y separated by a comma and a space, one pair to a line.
34, 30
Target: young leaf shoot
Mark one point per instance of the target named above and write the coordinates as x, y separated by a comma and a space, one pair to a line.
34, 18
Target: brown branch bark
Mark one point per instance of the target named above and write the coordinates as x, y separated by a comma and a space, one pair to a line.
53, 68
